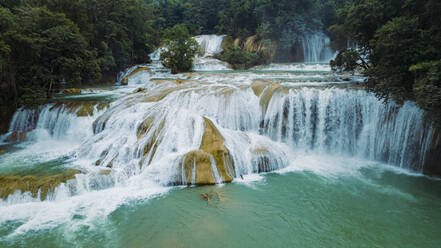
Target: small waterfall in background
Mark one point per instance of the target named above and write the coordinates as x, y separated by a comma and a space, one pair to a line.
209, 45
53, 121
316, 48
355, 123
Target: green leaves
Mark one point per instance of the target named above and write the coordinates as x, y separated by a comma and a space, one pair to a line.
402, 41
240, 59
180, 49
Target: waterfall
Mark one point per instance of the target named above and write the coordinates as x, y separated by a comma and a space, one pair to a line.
53, 121
212, 127
354, 122
209, 45
316, 48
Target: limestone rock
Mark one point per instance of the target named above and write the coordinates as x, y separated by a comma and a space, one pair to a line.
34, 184
125, 80
212, 152
72, 91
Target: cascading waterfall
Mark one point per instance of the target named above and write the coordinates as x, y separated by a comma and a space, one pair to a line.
201, 128
55, 121
316, 48
151, 133
353, 122
209, 45
205, 127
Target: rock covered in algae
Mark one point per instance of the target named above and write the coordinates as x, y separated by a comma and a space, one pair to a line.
213, 154
37, 185
81, 109
265, 89
72, 91
125, 80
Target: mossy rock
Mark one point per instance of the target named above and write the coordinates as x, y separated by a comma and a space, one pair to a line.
203, 170
72, 91
125, 80
152, 144
34, 184
265, 90
85, 110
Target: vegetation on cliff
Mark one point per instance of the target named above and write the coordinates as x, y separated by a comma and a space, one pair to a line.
401, 40
46, 45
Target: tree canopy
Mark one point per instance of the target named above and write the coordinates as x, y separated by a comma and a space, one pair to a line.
179, 49
401, 40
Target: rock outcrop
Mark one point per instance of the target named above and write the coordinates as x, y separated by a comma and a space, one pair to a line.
432, 165
125, 80
38, 186
197, 166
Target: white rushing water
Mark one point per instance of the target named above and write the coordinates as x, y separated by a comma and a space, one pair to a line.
317, 48
134, 149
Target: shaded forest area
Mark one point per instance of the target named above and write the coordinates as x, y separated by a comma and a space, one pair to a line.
46, 45
398, 47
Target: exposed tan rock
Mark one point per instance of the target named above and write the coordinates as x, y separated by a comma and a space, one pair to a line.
152, 144
236, 42
265, 89
213, 143
125, 80
81, 109
85, 110
72, 91
34, 184
212, 149
203, 170
105, 172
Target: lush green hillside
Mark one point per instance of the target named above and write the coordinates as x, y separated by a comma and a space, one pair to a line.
46, 45
401, 40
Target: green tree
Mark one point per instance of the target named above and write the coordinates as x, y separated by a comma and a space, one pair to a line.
180, 49
347, 60
427, 88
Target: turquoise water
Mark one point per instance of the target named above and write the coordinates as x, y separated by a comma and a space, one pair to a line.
369, 206
317, 200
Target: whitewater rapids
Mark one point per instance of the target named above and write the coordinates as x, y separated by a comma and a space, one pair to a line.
132, 149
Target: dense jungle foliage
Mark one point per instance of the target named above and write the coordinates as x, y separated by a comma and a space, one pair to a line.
46, 45
401, 42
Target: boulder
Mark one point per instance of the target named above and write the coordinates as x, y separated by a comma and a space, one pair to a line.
201, 162
72, 91
37, 185
125, 80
